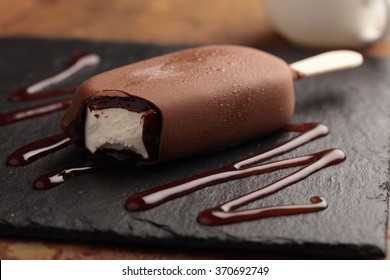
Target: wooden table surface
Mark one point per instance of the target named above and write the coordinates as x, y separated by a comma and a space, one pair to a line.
144, 21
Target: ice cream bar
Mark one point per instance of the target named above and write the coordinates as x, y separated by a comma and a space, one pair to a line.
181, 104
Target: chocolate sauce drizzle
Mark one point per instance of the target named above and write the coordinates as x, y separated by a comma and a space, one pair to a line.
224, 213
227, 212
38, 149
63, 174
33, 111
36, 90
59, 176
43, 147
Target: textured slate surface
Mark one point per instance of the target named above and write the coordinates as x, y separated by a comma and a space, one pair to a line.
354, 104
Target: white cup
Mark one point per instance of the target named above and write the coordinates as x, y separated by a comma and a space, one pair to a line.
330, 23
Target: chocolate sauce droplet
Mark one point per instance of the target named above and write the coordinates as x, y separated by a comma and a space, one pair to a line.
135, 204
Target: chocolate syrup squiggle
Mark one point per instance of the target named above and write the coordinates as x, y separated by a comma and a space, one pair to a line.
34, 111
59, 176
45, 146
63, 174
35, 91
38, 149
225, 213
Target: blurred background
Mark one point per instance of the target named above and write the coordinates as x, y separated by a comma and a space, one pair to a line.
358, 24
247, 22
157, 21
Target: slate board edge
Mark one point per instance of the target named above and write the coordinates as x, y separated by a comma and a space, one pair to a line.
322, 251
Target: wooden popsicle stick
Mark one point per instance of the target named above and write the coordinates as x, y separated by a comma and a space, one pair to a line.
326, 62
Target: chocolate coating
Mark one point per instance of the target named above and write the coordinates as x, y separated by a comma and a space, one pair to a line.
208, 97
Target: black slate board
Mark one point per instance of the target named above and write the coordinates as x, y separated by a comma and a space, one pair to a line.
354, 104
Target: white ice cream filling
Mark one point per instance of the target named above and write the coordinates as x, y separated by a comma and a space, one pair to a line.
114, 128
